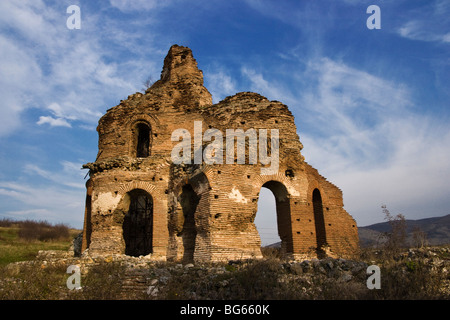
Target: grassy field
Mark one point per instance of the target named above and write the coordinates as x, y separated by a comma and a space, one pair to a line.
14, 247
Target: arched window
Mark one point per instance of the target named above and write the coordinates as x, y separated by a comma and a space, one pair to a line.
138, 224
143, 140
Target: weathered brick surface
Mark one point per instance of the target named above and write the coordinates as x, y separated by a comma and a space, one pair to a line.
206, 212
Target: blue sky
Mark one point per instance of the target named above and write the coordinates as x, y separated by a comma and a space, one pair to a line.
371, 106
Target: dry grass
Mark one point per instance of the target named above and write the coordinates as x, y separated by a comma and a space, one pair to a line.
267, 279
404, 276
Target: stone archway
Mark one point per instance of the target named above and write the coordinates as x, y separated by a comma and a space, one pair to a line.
283, 214
266, 219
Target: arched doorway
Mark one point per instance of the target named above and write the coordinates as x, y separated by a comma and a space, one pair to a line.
138, 224
319, 220
266, 219
281, 218
189, 201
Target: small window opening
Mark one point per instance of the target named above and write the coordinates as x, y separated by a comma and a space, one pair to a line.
143, 141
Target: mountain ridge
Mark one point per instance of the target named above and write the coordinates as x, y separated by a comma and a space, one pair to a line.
434, 230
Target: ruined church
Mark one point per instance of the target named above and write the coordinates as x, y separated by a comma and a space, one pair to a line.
153, 193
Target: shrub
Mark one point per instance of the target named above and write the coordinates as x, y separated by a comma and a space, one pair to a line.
269, 252
5, 222
42, 230
396, 237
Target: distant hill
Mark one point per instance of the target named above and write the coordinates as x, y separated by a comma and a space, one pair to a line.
436, 231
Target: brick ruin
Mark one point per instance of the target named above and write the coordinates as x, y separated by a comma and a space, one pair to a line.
139, 202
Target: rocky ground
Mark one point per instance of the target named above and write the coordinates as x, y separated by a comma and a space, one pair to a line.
412, 274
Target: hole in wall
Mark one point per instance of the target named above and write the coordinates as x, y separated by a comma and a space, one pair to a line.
289, 173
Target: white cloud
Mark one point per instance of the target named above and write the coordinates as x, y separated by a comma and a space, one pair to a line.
220, 84
427, 23
58, 122
30, 18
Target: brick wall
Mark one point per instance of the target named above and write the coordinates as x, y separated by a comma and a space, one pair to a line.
204, 211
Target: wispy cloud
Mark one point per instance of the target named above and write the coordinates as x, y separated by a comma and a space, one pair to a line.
20, 72
65, 73
47, 202
61, 78
141, 5
70, 175
427, 23
371, 141
220, 84
419, 30
60, 200
53, 122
